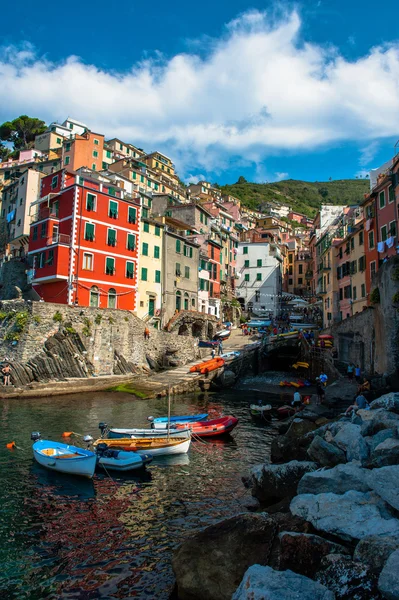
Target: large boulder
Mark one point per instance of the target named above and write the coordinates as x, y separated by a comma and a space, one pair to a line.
388, 401
349, 580
375, 440
385, 454
212, 563
303, 552
339, 480
350, 516
263, 583
300, 427
283, 449
388, 582
350, 440
374, 551
384, 482
380, 419
325, 454
271, 483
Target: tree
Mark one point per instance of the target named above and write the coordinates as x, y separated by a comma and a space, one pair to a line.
242, 179
21, 131
4, 152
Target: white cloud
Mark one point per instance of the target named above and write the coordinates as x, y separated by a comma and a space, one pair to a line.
367, 153
280, 176
257, 90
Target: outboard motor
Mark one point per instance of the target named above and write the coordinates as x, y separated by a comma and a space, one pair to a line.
35, 435
87, 439
102, 427
101, 448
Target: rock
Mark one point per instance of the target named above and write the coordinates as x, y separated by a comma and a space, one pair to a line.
284, 449
374, 551
339, 480
288, 522
274, 482
299, 427
349, 580
386, 453
302, 552
350, 516
381, 419
384, 482
264, 583
388, 583
212, 562
388, 401
350, 440
325, 454
380, 437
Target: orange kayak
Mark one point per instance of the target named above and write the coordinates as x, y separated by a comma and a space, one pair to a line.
212, 366
208, 363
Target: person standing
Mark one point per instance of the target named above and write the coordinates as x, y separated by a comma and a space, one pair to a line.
146, 333
358, 373
213, 353
321, 394
220, 348
350, 370
6, 370
297, 401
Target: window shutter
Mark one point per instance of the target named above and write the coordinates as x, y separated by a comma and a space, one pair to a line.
178, 246
132, 215
109, 266
131, 241
89, 232
111, 237
113, 209
129, 270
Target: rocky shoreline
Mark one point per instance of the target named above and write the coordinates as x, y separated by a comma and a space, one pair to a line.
327, 517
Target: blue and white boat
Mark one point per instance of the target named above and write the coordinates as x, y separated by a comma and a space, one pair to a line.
64, 458
114, 433
180, 418
119, 460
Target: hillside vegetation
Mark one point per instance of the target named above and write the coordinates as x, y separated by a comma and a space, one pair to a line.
302, 196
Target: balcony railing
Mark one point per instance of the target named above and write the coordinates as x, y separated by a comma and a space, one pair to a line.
59, 238
44, 213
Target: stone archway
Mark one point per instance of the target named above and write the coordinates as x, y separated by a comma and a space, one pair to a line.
184, 329
197, 329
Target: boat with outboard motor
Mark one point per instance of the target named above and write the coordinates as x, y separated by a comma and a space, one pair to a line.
154, 446
211, 428
63, 458
119, 460
115, 433
179, 419
261, 411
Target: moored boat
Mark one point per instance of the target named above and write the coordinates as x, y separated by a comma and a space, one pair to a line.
215, 363
285, 411
211, 428
261, 411
114, 433
119, 460
64, 458
222, 335
180, 418
156, 447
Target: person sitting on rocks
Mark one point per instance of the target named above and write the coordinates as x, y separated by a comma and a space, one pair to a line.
297, 401
364, 387
360, 403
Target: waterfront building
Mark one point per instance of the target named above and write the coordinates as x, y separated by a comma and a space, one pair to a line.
259, 268
150, 292
84, 239
83, 150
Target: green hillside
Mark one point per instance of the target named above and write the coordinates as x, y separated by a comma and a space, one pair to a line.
302, 196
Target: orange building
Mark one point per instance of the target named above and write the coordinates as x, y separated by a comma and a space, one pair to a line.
84, 150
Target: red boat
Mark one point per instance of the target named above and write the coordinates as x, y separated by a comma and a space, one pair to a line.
210, 428
285, 411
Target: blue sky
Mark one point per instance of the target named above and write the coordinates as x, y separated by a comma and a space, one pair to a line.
267, 90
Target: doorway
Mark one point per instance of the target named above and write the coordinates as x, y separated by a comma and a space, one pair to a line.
151, 306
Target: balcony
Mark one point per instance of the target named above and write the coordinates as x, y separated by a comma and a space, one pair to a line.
59, 238
325, 268
44, 213
321, 292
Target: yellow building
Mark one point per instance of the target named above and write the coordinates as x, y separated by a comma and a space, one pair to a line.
150, 271
159, 162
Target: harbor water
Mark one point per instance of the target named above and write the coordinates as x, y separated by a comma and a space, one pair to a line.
64, 537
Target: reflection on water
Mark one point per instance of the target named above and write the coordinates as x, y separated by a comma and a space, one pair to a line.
64, 537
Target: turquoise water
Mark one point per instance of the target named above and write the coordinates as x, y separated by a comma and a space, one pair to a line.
113, 538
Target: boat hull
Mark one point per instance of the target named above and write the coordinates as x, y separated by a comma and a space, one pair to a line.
125, 461
155, 447
213, 428
182, 418
82, 462
148, 433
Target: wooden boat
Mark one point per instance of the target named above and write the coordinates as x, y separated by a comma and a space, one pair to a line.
156, 447
261, 411
213, 427
147, 433
218, 360
285, 411
64, 458
180, 418
118, 460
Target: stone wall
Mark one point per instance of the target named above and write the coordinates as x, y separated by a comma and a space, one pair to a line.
86, 341
371, 338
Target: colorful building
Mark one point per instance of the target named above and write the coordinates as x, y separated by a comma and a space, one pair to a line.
84, 240
150, 271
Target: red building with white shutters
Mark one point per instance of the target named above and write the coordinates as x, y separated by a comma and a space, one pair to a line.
84, 242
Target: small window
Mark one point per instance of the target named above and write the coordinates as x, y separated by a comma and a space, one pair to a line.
108, 154
67, 160
93, 167
300, 280
50, 260
391, 194
363, 288
371, 240
96, 142
35, 232
361, 238
104, 166
145, 213
95, 154
94, 296
354, 293
144, 251
41, 260
259, 262
146, 227
382, 199
91, 201
177, 270
157, 230
112, 298
384, 234
89, 232
43, 232
392, 228
67, 147
157, 276
258, 276
144, 273
372, 269
110, 266
245, 250
187, 272
129, 270
111, 237
178, 246
58, 140
132, 215
54, 182
113, 209
156, 251
131, 242
246, 264
300, 269
87, 262
246, 277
